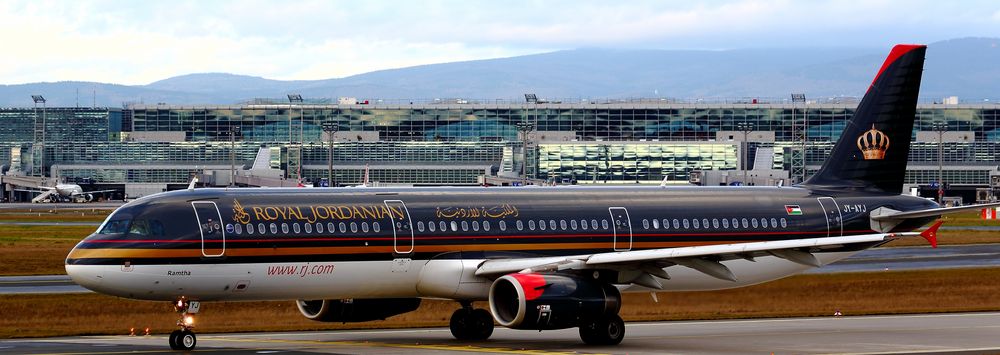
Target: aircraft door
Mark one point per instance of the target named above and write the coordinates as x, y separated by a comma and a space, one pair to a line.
834, 220
402, 226
213, 236
621, 226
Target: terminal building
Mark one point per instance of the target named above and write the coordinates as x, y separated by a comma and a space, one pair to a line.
143, 149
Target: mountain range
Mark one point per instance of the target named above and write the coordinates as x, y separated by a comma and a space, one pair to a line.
968, 68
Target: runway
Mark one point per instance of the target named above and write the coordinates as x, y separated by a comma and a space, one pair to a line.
965, 333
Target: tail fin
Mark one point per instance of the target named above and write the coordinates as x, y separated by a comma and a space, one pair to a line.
872, 151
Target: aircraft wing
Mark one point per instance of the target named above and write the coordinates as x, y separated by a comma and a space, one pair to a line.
702, 258
93, 192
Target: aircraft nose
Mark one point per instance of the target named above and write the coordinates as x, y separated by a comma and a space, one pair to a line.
88, 276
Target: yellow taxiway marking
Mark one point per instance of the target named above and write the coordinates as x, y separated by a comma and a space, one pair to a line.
439, 347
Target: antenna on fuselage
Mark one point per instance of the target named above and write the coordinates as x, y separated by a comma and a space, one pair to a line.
194, 180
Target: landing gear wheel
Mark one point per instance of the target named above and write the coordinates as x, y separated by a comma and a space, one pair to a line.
605, 331
469, 324
174, 335
187, 340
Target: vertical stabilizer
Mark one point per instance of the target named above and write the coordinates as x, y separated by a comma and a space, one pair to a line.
872, 151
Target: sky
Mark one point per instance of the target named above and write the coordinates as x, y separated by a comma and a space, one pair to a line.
139, 42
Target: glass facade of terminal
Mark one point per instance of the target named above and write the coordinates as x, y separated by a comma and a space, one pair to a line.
585, 142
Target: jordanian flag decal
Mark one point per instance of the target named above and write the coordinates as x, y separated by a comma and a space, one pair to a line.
793, 210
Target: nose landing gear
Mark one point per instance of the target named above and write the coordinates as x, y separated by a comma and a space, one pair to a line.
184, 338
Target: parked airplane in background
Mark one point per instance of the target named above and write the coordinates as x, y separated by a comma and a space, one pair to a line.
544, 258
65, 192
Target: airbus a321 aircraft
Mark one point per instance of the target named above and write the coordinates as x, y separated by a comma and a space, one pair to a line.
544, 258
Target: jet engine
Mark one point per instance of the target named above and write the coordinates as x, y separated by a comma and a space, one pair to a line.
551, 301
89, 197
356, 310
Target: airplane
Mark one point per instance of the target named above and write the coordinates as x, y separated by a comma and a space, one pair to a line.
66, 192
542, 257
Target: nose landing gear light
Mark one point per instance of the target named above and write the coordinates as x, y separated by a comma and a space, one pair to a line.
184, 338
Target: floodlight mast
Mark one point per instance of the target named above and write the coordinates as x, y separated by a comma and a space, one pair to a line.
296, 98
331, 129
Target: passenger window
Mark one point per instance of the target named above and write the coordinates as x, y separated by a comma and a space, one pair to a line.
686, 225
319, 227
562, 224
695, 223
572, 224
274, 228
656, 224
250, 229
754, 222
725, 223
454, 226
676, 224
519, 225
465, 226
239, 229
444, 226
329, 227
296, 228
704, 222
475, 226
552, 224
531, 224
763, 222
604, 224
354, 227
541, 225
420, 226
343, 227
364, 227
665, 223
284, 228
745, 223
645, 223
783, 223
431, 226
583, 224
593, 224
715, 223
503, 225
774, 223
309, 228
486, 226
376, 227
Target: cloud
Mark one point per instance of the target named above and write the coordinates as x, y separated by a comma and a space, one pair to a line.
140, 42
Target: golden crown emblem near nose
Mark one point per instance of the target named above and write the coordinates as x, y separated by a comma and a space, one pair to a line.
873, 144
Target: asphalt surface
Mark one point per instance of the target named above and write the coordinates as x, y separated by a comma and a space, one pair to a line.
963, 333
106, 205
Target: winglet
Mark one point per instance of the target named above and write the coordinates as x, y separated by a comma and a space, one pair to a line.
931, 233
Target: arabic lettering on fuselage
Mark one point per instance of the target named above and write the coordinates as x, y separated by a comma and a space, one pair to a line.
498, 211
313, 213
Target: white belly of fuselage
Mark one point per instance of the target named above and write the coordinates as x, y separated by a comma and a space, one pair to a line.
399, 278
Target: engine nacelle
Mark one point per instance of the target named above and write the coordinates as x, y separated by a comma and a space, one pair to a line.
551, 301
356, 310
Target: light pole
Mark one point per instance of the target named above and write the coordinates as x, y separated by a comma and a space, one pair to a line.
940, 128
746, 128
37, 99
233, 131
330, 128
295, 98
524, 128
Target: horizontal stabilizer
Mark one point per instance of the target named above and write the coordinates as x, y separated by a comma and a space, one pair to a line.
897, 215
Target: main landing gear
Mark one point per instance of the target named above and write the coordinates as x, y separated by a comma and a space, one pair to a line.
184, 338
471, 324
609, 330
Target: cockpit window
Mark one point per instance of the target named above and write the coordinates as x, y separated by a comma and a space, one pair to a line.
115, 226
143, 227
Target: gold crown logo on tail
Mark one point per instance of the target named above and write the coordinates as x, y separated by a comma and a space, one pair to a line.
873, 144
